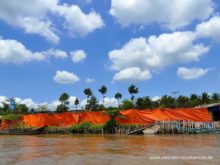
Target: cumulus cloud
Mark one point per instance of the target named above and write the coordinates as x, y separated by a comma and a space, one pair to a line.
191, 73
156, 98
57, 53
15, 52
77, 22
90, 80
170, 13
36, 17
109, 102
209, 29
64, 77
132, 74
155, 53
78, 55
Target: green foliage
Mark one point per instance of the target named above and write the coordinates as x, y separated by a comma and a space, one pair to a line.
144, 103
93, 104
12, 117
87, 127
64, 98
111, 126
62, 108
126, 104
88, 92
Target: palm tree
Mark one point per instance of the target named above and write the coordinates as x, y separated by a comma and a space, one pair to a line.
118, 96
64, 99
88, 93
64, 102
133, 90
76, 102
103, 91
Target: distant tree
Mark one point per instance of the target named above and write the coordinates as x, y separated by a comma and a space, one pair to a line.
93, 103
195, 100
64, 99
63, 107
205, 98
127, 104
183, 102
118, 96
215, 97
76, 102
103, 91
88, 93
133, 90
167, 102
144, 103
21, 109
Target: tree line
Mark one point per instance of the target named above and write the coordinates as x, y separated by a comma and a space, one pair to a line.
93, 104
146, 102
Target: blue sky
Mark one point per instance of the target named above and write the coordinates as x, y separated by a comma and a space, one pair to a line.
54, 46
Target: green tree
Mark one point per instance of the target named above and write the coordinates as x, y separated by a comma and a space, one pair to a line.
118, 96
183, 102
88, 93
133, 90
64, 99
21, 109
144, 103
76, 102
93, 103
103, 91
205, 98
167, 102
195, 100
126, 104
215, 97
63, 107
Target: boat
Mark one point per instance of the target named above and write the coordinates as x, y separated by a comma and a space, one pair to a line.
152, 130
136, 132
22, 131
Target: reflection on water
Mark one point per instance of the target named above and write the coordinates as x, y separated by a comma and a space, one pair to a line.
106, 150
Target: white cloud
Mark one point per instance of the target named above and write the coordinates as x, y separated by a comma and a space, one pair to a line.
132, 74
28, 102
209, 29
90, 80
36, 17
77, 22
156, 98
78, 55
64, 77
57, 53
191, 73
170, 13
155, 53
109, 102
15, 52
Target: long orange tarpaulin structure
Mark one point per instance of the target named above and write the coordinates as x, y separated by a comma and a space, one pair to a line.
131, 116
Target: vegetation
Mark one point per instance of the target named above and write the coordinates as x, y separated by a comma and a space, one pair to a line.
103, 91
12, 117
133, 90
63, 107
87, 127
118, 96
88, 92
76, 102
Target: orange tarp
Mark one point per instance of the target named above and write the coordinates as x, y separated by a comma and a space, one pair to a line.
150, 116
130, 117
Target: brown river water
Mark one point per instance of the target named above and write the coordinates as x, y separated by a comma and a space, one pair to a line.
110, 149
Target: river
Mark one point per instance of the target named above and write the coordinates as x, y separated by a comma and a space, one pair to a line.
110, 149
